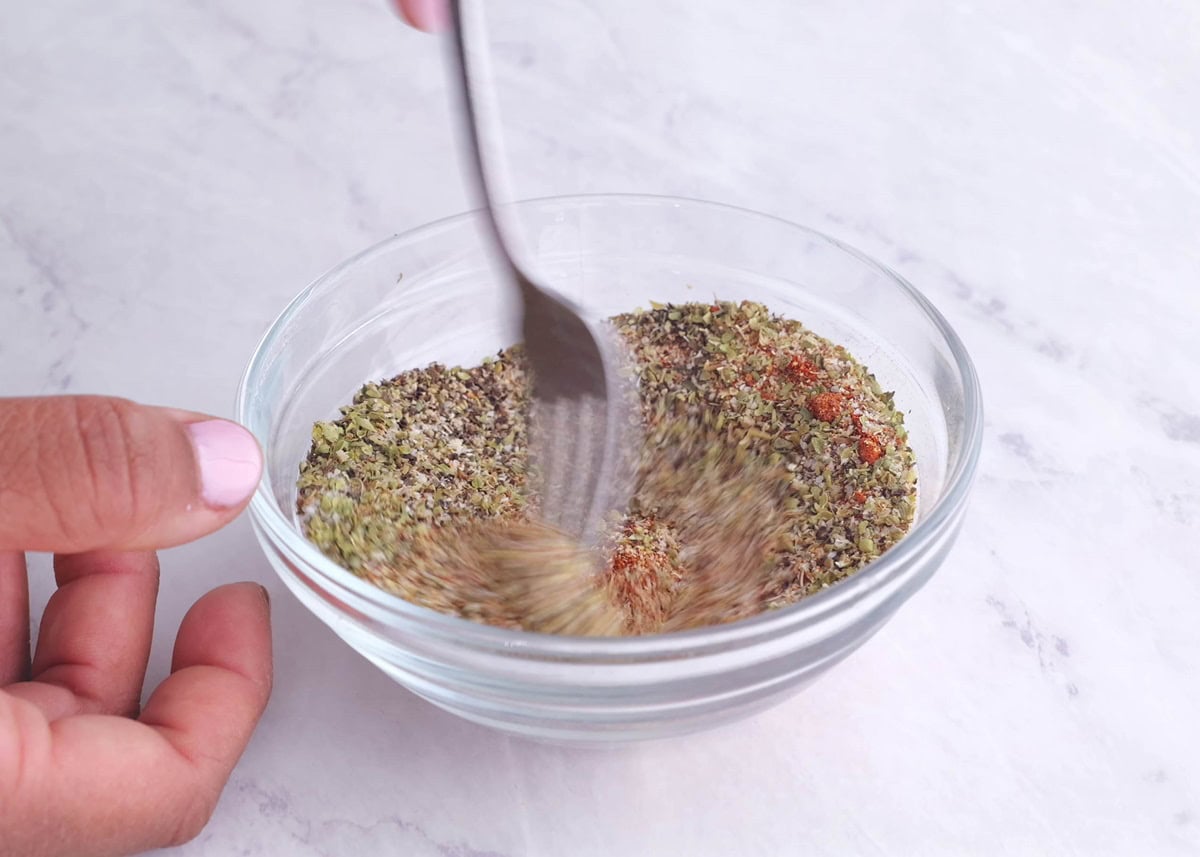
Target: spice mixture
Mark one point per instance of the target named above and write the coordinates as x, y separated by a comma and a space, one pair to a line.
773, 466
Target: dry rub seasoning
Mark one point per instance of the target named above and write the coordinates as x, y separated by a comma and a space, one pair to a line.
774, 465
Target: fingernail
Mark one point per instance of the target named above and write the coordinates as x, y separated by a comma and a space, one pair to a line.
229, 459
266, 594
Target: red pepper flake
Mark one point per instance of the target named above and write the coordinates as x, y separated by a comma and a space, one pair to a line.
715, 307
859, 497
624, 559
826, 406
639, 582
870, 449
798, 369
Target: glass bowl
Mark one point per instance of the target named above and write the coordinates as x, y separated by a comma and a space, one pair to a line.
432, 294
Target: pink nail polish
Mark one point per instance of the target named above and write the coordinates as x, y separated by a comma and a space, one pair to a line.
229, 459
431, 15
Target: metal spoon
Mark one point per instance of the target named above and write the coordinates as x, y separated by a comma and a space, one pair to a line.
580, 440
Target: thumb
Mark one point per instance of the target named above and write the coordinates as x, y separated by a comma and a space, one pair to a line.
82, 473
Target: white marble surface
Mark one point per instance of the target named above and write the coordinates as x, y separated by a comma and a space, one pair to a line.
172, 173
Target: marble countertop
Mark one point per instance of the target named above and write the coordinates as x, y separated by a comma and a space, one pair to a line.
174, 172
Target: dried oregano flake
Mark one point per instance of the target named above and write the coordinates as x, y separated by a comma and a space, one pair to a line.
774, 466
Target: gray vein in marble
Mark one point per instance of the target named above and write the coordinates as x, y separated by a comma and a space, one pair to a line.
337, 837
1183, 508
56, 301
1046, 647
989, 307
1181, 426
1018, 445
45, 264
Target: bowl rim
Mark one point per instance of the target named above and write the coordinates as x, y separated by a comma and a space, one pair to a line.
807, 612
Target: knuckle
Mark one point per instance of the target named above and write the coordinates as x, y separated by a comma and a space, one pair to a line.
113, 449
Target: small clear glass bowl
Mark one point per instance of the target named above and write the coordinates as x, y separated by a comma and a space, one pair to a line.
432, 294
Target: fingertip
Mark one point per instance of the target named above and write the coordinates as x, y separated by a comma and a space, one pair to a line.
229, 628
432, 16
220, 679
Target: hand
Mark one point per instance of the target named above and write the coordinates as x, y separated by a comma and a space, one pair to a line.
102, 483
431, 15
